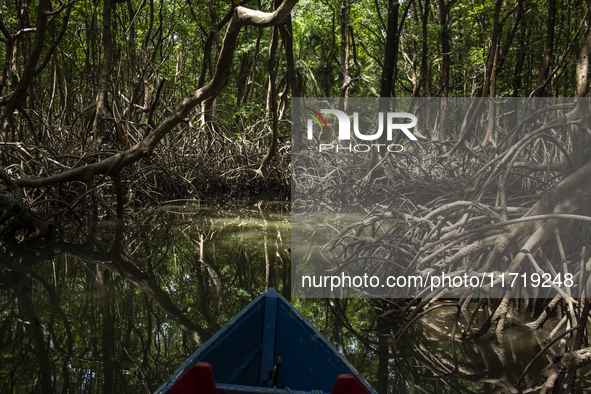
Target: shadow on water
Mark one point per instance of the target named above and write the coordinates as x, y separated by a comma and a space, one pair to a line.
120, 305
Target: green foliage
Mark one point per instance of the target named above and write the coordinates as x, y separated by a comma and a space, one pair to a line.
168, 41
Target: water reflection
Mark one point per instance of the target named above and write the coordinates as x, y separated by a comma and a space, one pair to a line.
117, 307
482, 365
424, 359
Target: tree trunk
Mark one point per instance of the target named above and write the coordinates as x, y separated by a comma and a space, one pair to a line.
547, 60
346, 38
490, 82
287, 38
445, 67
208, 105
253, 68
391, 55
390, 59
98, 129
19, 94
271, 100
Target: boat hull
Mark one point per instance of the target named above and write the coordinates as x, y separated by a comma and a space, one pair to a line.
244, 353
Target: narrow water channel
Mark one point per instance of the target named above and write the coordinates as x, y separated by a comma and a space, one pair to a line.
118, 307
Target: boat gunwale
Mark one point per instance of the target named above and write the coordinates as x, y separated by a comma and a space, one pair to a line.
251, 308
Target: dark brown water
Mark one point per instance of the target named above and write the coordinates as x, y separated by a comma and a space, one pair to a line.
118, 306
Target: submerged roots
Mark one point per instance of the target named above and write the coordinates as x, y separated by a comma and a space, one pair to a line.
194, 163
515, 219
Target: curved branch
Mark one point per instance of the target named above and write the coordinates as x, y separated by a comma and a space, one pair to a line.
242, 17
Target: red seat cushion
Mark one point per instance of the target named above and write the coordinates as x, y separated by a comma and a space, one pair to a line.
198, 379
348, 384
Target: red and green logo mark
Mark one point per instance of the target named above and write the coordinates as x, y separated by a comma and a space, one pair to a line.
317, 115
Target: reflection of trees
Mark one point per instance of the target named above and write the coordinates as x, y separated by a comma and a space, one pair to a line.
121, 306
423, 359
466, 366
156, 279
520, 211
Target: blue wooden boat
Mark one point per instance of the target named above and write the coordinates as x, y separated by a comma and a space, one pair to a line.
268, 348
